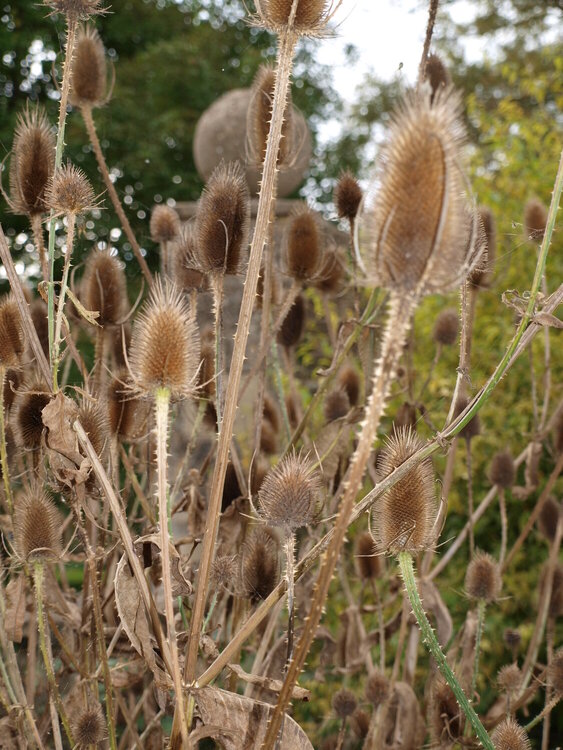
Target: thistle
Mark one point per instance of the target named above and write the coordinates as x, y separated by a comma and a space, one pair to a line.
302, 17
88, 87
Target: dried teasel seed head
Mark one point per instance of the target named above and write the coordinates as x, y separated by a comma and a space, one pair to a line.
350, 381
473, 428
436, 74
104, 287
76, 10
360, 722
222, 221
405, 416
224, 572
303, 248
483, 579
416, 234
290, 493
405, 515
94, 419
378, 688
344, 703
88, 86
369, 564
310, 17
292, 327
555, 672
164, 224
260, 564
347, 196
29, 404
165, 344
336, 405
12, 338
69, 191
482, 274
187, 274
509, 735
509, 678
259, 116
535, 219
502, 471
445, 715
123, 408
446, 327
549, 518
89, 727
32, 162
512, 638
37, 525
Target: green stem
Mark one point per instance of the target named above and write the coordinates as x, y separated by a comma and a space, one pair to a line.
547, 710
407, 572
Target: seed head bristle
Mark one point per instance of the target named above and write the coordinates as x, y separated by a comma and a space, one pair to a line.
122, 407
405, 515
350, 381
292, 327
473, 428
165, 344
310, 18
88, 87
509, 678
369, 564
164, 224
483, 579
347, 196
259, 116
29, 403
555, 672
290, 493
502, 472
76, 10
32, 162
509, 735
378, 688
344, 703
183, 250
222, 221
549, 518
416, 233
12, 338
303, 250
446, 327
260, 567
336, 405
330, 276
89, 728
37, 525
436, 74
104, 287
535, 219
482, 275
69, 191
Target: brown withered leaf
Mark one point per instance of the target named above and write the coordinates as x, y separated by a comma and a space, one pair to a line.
242, 722
180, 584
434, 603
15, 611
268, 683
133, 617
403, 722
67, 463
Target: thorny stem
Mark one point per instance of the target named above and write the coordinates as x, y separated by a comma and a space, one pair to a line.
3, 448
407, 572
118, 208
37, 229
546, 711
432, 11
481, 607
289, 545
218, 284
71, 223
162, 405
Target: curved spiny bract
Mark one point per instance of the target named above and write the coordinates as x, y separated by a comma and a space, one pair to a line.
416, 233
104, 287
88, 87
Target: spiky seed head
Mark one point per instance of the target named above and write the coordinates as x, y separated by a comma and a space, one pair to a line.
555, 672
32, 162
292, 327
416, 233
164, 224
330, 276
369, 564
29, 403
344, 703
509, 735
260, 564
446, 717
69, 191
37, 525
88, 86
482, 275
123, 407
290, 493
89, 727
222, 221
336, 405
303, 248
535, 219
347, 196
39, 316
12, 338
512, 638
259, 116
473, 428
350, 381
76, 10
378, 688
404, 517
310, 18
509, 678
188, 275
436, 74
224, 572
502, 472
104, 287
165, 344
446, 327
549, 518
94, 419
483, 579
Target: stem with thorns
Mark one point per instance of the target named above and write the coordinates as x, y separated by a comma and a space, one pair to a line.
432, 11
71, 224
289, 546
3, 448
217, 283
37, 230
481, 608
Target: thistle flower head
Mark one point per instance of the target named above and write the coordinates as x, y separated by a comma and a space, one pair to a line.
69, 191
32, 162
37, 526
535, 219
294, 322
344, 703
509, 678
509, 735
483, 580
303, 250
164, 224
260, 564
222, 221
416, 234
290, 493
311, 16
502, 472
165, 344
104, 287
347, 196
89, 727
482, 275
76, 10
88, 86
12, 339
94, 419
29, 404
259, 116
446, 327
404, 517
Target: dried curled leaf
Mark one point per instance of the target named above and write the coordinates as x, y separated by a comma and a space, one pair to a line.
15, 611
